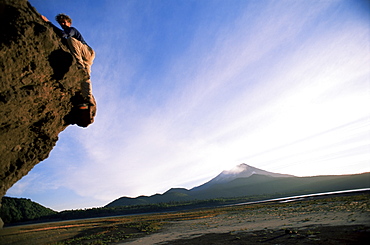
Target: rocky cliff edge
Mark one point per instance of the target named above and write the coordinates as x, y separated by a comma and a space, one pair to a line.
39, 87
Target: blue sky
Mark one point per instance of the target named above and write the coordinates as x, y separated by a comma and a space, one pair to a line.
186, 89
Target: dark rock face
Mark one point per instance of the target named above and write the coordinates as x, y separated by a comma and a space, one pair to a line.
39, 86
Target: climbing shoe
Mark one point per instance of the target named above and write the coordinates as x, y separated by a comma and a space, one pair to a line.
83, 106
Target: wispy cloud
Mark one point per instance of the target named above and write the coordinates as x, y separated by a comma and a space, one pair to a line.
281, 86
234, 99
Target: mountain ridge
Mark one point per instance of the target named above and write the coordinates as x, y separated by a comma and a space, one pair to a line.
267, 183
240, 171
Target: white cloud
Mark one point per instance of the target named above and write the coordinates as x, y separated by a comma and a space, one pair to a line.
283, 90
229, 110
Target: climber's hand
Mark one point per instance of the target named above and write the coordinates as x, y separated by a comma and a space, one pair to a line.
44, 18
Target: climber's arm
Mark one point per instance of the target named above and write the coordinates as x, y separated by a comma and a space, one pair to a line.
58, 31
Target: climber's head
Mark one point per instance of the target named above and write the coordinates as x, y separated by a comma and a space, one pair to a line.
64, 20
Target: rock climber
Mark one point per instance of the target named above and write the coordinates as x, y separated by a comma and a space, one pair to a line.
82, 52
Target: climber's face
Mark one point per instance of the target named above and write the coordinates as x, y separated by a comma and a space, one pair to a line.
64, 24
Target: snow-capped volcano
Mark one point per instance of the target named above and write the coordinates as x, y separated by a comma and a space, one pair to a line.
247, 181
241, 171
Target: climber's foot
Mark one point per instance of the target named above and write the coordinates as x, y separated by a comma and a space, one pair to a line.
83, 106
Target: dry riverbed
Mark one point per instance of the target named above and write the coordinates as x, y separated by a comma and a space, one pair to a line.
332, 220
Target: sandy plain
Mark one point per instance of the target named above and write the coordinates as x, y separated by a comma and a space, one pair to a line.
319, 222
332, 220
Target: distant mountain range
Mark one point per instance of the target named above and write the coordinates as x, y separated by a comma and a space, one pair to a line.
245, 180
